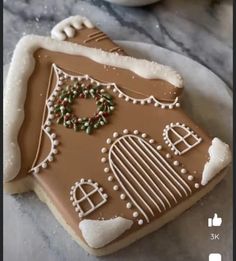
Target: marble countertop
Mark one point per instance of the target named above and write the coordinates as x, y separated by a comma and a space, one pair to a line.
201, 30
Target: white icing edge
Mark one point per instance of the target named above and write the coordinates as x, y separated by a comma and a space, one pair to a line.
22, 66
98, 233
220, 157
67, 27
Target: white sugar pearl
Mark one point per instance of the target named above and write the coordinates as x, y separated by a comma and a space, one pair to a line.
140, 222
135, 214
159, 147
190, 177
196, 185
104, 150
48, 129
129, 205
144, 135
110, 178
125, 131
106, 170
168, 156
103, 160
183, 171
122, 196
176, 163
108, 141
136, 132
49, 123
115, 134
151, 141
44, 165
51, 116
116, 187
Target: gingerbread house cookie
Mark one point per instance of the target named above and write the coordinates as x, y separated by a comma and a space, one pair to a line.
101, 137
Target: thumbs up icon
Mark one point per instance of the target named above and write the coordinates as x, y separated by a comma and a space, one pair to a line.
215, 221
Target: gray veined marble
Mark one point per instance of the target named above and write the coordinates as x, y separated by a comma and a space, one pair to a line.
201, 30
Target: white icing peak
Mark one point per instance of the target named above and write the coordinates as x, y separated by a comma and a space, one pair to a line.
67, 27
219, 157
22, 66
98, 233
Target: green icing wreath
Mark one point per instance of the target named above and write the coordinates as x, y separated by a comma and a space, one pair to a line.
63, 107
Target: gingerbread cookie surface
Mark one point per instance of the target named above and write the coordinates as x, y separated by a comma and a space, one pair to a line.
103, 139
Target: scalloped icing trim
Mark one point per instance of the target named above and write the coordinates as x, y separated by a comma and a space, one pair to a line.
98, 233
22, 66
219, 157
67, 27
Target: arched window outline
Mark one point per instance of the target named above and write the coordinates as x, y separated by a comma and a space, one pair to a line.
180, 139
86, 196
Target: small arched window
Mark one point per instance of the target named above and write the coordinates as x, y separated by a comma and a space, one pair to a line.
180, 138
87, 196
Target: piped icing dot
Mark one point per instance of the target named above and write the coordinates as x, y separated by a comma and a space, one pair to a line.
110, 178
136, 132
44, 165
156, 104
142, 102
159, 147
144, 135
50, 158
177, 104
176, 163
55, 142
53, 135
151, 141
104, 150
122, 196
190, 177
36, 170
183, 171
127, 99
108, 141
103, 160
140, 222
168, 156
134, 101
54, 151
106, 170
163, 106
115, 134
135, 214
129, 205
116, 187
48, 129
196, 185
125, 131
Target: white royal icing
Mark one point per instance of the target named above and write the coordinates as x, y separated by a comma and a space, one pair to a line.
145, 163
67, 27
80, 188
179, 138
219, 157
98, 233
22, 66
